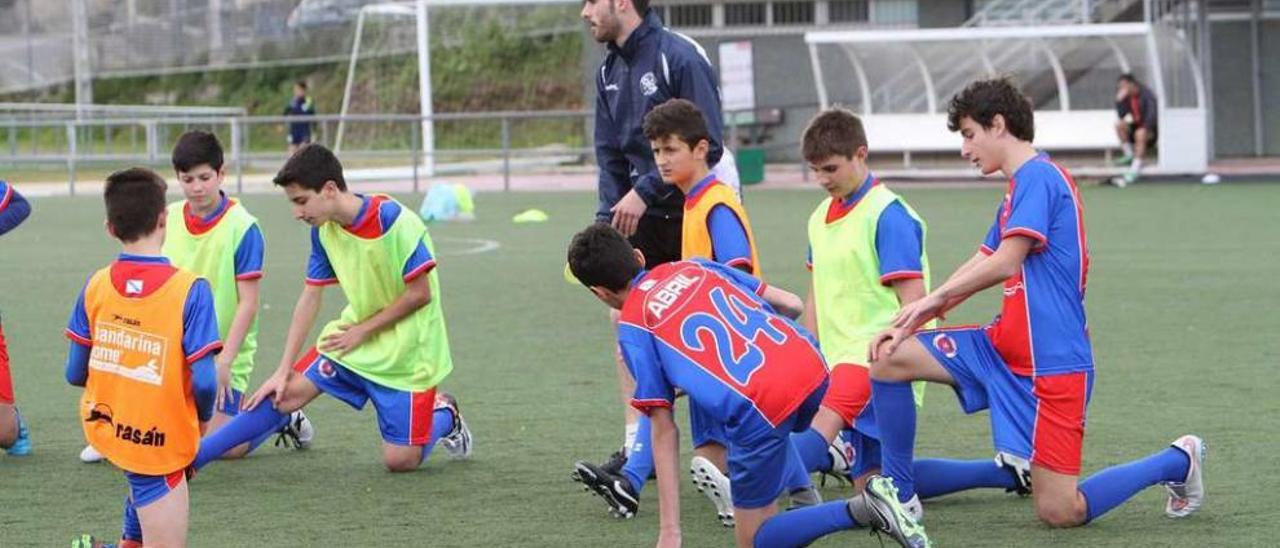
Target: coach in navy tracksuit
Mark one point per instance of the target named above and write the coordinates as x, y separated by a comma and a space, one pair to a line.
647, 64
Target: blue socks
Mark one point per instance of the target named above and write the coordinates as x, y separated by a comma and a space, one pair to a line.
802, 526
895, 409
253, 425
132, 529
640, 460
1108, 488
813, 450
441, 425
937, 477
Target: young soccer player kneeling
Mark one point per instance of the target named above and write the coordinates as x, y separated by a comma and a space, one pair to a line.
715, 227
716, 333
1033, 365
389, 345
143, 338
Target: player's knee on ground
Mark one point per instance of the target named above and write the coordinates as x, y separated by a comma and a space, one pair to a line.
8, 432
1060, 511
402, 458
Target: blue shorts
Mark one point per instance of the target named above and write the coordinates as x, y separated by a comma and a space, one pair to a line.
404, 418
144, 489
759, 454
1038, 418
231, 406
865, 439
703, 427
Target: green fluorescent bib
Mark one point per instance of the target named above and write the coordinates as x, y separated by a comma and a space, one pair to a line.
852, 305
212, 256
413, 354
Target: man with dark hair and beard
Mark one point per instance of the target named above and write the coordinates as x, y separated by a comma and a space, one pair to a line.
646, 65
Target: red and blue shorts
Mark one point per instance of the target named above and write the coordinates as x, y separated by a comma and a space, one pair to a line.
850, 391
404, 418
145, 489
1040, 418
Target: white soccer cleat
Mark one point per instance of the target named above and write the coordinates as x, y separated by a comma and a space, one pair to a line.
89, 455
1020, 468
297, 432
842, 454
458, 442
1186, 497
711, 482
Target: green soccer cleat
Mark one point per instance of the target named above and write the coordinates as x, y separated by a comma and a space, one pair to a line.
1124, 160
87, 541
891, 516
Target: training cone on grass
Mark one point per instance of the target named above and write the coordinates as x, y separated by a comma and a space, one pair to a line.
530, 216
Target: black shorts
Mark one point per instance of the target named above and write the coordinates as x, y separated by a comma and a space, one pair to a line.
1133, 134
659, 239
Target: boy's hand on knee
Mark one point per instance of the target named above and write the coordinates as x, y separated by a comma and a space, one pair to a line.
273, 388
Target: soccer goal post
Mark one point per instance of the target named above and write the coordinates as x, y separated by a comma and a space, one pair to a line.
418, 12
899, 81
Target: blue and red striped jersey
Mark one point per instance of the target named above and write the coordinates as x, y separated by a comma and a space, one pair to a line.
702, 327
1041, 329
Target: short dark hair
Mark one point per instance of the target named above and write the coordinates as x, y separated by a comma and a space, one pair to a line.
310, 167
135, 199
982, 100
197, 147
833, 132
677, 118
302, 84
601, 256
1127, 77
642, 6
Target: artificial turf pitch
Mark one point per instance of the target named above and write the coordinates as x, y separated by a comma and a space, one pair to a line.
1182, 310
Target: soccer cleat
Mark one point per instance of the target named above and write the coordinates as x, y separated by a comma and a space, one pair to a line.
1021, 470
615, 489
616, 462
22, 444
1186, 497
804, 496
89, 455
87, 541
711, 482
892, 517
458, 442
843, 455
914, 508
297, 433
613, 466
1124, 160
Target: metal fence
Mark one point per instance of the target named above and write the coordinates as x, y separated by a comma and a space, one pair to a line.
377, 146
